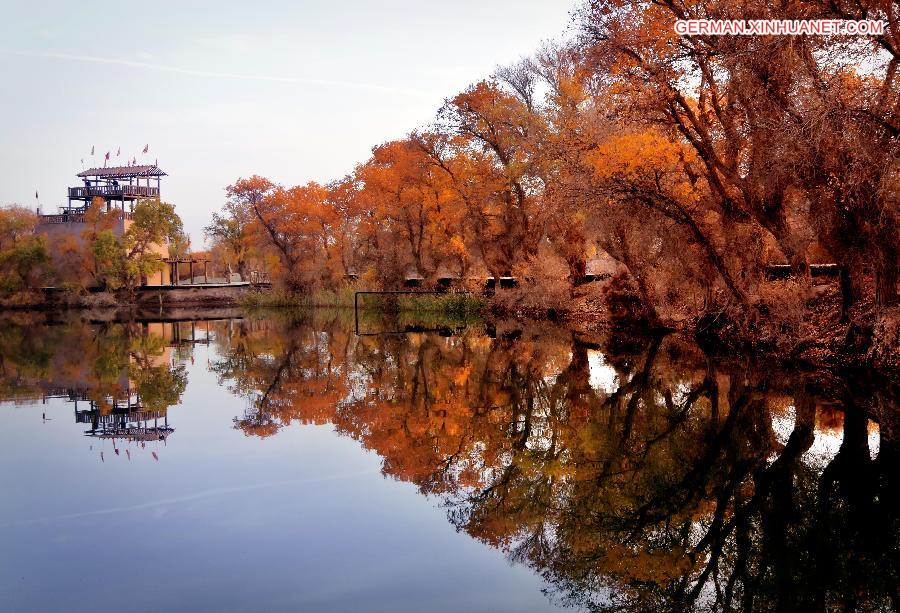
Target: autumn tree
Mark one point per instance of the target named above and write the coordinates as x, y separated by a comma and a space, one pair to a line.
686, 165
231, 228
413, 204
24, 261
761, 115
503, 133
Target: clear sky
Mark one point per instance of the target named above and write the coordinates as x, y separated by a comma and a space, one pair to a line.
294, 91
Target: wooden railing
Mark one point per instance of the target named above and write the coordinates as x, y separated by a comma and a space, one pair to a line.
87, 417
114, 191
259, 277
76, 217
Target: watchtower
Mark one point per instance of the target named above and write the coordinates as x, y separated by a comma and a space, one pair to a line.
117, 184
119, 187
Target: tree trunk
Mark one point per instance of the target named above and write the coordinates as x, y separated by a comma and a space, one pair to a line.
787, 242
885, 278
650, 311
644, 293
577, 272
849, 290
719, 265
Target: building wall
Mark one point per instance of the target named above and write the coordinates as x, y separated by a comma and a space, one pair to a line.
61, 237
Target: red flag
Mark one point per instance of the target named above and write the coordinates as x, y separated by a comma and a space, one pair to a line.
107, 155
146, 148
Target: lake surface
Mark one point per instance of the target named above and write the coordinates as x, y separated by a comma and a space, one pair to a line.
285, 462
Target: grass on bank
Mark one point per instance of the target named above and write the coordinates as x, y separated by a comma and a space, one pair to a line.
457, 305
280, 298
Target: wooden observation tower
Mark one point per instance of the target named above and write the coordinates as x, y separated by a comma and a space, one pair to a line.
117, 184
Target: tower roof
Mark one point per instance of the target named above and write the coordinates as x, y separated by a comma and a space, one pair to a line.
123, 172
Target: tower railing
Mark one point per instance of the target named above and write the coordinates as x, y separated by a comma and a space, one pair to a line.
75, 217
113, 191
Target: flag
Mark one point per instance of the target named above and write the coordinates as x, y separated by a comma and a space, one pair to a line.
134, 162
107, 156
146, 148
92, 150
82, 161
35, 195
119, 152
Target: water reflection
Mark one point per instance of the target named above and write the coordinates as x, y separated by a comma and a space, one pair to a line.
632, 473
121, 378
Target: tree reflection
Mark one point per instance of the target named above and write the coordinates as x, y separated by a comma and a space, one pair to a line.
632, 473
683, 482
287, 372
120, 376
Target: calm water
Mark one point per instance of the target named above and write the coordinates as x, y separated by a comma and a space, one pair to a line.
286, 463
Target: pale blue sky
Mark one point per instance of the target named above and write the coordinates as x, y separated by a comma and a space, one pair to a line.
295, 91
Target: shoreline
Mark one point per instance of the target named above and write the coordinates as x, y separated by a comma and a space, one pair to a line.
820, 344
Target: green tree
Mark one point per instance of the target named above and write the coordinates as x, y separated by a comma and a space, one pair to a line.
129, 260
109, 260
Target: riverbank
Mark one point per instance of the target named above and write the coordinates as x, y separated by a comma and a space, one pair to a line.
162, 296
452, 303
818, 337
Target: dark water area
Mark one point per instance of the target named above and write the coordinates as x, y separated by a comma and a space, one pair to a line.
270, 462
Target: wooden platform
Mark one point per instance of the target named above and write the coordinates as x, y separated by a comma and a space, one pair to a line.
186, 286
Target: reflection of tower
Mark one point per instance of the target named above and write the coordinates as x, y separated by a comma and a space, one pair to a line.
124, 419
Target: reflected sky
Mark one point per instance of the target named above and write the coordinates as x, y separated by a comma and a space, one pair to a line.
223, 521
